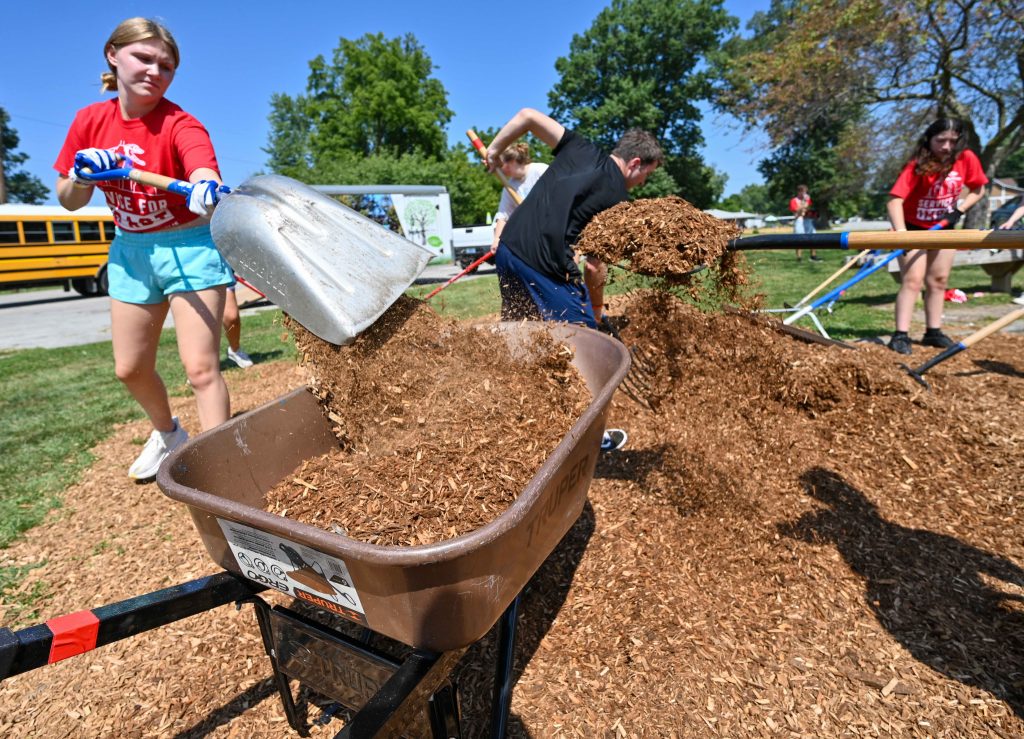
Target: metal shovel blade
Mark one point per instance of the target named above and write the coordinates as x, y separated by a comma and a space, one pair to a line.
330, 268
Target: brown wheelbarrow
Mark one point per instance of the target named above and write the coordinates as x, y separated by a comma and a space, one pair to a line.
440, 596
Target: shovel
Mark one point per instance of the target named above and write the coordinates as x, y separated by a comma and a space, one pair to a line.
330, 268
996, 325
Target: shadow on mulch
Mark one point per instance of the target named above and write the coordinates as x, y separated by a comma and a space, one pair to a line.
997, 368
230, 710
629, 464
928, 590
540, 604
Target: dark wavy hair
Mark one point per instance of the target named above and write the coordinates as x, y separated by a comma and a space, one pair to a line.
928, 163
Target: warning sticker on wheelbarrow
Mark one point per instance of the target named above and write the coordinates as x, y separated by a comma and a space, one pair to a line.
284, 565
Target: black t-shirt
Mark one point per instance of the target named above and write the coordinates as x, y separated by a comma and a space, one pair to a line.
580, 183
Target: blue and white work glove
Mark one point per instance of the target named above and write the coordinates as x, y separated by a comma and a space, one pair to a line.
92, 161
204, 197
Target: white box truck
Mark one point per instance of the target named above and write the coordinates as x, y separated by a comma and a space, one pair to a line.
425, 215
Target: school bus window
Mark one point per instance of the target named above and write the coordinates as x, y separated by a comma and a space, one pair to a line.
35, 232
63, 232
9, 233
89, 231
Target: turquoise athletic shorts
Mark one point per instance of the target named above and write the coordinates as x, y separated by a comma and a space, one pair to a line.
144, 268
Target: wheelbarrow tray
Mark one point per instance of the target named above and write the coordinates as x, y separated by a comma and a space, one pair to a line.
438, 596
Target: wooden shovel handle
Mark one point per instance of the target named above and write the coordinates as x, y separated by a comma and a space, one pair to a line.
482, 151
158, 180
962, 239
996, 325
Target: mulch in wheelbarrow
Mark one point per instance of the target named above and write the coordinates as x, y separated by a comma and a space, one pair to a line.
440, 427
802, 542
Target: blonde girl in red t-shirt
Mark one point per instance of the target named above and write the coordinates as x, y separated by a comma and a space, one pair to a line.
928, 191
163, 257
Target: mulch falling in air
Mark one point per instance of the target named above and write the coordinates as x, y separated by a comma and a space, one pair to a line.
440, 427
802, 541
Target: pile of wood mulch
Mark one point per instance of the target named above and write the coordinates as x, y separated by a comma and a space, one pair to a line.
664, 237
802, 541
441, 426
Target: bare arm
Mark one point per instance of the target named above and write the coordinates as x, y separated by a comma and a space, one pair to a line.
499, 226
204, 173
1012, 220
973, 196
544, 127
73, 195
895, 208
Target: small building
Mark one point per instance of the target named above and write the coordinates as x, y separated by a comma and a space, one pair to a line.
740, 218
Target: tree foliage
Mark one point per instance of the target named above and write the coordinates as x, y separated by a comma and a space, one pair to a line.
17, 185
832, 159
376, 97
641, 64
753, 198
474, 193
906, 61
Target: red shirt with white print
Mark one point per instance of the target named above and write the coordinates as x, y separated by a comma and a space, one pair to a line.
926, 198
167, 141
796, 204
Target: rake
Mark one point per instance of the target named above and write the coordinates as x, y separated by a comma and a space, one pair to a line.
642, 367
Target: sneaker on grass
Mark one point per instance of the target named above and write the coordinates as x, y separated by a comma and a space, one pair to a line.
159, 446
613, 439
240, 358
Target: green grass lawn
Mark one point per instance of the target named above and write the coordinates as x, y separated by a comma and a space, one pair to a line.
58, 403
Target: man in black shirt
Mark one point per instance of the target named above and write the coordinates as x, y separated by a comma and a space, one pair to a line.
536, 264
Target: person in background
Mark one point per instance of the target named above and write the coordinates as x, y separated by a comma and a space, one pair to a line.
927, 192
803, 218
1013, 219
1011, 222
233, 330
522, 174
163, 256
537, 272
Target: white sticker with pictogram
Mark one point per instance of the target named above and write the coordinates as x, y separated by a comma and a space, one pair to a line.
304, 572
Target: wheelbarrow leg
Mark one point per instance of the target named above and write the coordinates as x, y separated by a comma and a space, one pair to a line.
280, 679
502, 701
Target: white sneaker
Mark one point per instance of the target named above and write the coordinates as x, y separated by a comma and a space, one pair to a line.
159, 446
613, 439
240, 358
1019, 300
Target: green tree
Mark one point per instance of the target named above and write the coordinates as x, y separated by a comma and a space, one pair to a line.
375, 97
474, 193
16, 185
642, 64
753, 198
831, 159
908, 61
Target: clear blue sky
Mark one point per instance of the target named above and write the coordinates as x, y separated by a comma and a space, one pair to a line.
236, 55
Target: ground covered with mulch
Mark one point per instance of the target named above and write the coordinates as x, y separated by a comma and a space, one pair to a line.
800, 541
420, 404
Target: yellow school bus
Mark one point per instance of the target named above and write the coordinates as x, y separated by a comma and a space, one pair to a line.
47, 245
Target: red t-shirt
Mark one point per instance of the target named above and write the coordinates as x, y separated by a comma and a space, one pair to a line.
926, 199
167, 141
795, 205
